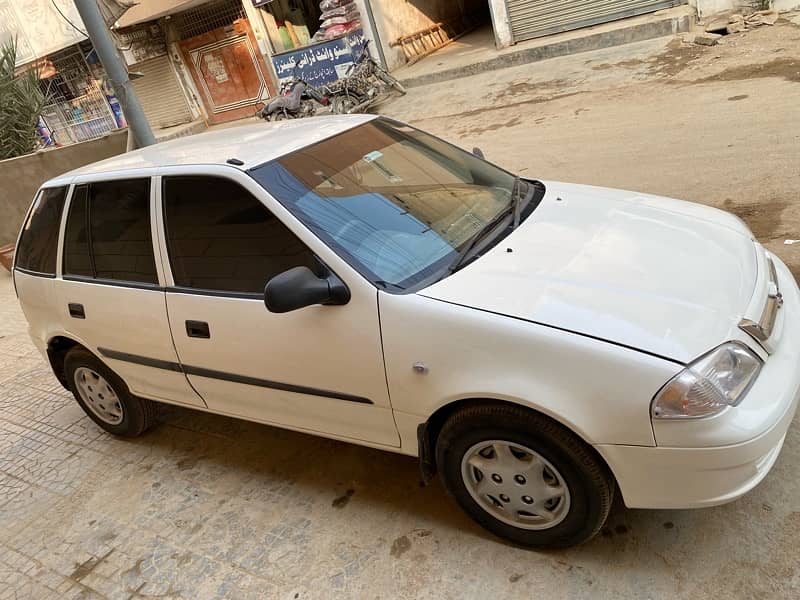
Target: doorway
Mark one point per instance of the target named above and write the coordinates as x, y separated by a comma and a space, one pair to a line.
221, 53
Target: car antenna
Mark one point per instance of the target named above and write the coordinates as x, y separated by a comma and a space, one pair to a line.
235, 161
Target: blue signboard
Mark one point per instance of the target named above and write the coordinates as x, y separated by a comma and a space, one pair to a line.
321, 63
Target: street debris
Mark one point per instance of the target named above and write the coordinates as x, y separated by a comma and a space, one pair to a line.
726, 23
762, 17
707, 39
790, 242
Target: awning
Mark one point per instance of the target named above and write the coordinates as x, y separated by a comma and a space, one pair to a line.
150, 10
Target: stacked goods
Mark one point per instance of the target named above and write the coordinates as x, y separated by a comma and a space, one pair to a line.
291, 33
338, 17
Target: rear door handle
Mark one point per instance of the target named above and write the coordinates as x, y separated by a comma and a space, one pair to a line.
198, 329
76, 311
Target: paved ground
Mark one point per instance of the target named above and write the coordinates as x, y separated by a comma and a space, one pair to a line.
210, 507
717, 125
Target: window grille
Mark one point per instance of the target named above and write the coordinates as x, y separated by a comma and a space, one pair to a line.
78, 108
207, 17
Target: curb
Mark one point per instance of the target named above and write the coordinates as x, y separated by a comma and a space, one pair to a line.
596, 41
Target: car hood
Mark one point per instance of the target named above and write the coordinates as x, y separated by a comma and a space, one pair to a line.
659, 275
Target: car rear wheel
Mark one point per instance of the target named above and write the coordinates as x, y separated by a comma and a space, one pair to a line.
524, 477
104, 397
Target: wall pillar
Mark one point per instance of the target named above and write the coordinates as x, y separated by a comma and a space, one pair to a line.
500, 23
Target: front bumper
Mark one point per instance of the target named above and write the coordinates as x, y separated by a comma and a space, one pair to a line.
680, 477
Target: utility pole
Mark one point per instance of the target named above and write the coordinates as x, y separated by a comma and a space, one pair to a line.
115, 67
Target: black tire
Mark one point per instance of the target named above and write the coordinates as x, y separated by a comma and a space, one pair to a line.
390, 81
341, 104
137, 413
590, 484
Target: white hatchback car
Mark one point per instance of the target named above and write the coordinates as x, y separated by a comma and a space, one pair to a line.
536, 343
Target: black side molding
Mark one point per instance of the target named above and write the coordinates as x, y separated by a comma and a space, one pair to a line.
232, 377
275, 385
141, 360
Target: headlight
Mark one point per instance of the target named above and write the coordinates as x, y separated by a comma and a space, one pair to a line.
710, 384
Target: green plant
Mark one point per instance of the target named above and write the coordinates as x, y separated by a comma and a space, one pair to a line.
21, 102
761, 4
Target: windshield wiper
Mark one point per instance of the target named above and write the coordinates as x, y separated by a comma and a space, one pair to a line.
516, 201
462, 254
515, 208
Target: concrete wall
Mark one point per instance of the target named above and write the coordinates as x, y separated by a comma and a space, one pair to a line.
785, 4
709, 7
21, 177
395, 18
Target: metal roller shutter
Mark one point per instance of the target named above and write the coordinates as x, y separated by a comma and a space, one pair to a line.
535, 18
160, 93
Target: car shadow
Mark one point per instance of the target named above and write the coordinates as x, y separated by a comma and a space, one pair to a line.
197, 444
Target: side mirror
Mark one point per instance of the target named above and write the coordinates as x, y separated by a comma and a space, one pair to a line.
478, 152
300, 287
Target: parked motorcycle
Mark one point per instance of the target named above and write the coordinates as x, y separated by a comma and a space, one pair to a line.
297, 99
366, 83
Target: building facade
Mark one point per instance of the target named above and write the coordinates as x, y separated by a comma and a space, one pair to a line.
219, 60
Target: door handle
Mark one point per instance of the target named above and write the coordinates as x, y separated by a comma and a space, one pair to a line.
76, 311
198, 329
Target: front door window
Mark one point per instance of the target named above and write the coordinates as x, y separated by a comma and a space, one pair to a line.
221, 238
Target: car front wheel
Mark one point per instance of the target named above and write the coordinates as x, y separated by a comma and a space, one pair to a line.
523, 476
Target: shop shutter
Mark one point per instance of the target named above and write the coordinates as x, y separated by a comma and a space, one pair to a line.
535, 18
160, 93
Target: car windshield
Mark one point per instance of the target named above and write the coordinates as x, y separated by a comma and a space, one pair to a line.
396, 203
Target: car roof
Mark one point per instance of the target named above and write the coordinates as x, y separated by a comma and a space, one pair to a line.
253, 144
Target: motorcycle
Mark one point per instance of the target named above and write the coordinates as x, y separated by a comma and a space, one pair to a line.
365, 83
297, 99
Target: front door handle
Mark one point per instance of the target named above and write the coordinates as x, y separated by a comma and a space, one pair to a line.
76, 311
198, 329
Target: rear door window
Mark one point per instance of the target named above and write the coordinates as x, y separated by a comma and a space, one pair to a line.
38, 244
108, 233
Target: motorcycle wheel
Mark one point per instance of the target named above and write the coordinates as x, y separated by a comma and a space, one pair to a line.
390, 81
342, 104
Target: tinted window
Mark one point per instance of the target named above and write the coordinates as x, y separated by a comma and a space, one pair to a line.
222, 238
76, 237
39, 241
108, 232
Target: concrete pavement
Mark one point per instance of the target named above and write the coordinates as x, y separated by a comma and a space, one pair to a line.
210, 507
717, 125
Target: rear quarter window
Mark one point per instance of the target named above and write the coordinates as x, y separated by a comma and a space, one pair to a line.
38, 243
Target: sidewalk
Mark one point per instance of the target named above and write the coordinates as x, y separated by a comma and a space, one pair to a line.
476, 53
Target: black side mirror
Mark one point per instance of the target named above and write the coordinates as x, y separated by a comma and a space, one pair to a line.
300, 287
478, 152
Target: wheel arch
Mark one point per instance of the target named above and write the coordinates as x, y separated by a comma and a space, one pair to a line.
57, 348
428, 431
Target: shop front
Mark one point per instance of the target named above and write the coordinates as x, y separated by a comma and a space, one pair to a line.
154, 77
222, 55
530, 19
215, 59
317, 41
82, 105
